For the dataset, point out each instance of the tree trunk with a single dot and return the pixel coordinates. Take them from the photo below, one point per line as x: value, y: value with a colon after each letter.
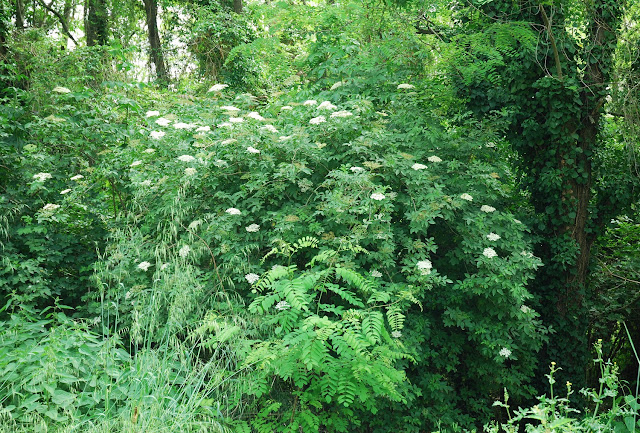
x: 97, y: 23
x: 19, y: 15
x: 237, y: 6
x: 151, y: 10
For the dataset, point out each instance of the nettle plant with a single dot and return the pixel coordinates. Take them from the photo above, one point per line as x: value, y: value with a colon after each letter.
x: 333, y: 251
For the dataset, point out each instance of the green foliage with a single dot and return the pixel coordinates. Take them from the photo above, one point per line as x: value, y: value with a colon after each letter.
x: 214, y: 34
x: 612, y: 409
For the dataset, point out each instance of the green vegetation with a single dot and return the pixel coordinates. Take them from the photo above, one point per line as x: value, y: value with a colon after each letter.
x: 335, y: 217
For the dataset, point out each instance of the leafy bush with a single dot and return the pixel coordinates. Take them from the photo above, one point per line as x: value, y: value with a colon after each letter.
x: 393, y: 198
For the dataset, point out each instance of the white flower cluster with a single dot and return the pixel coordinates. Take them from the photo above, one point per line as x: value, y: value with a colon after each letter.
x: 252, y: 228
x: 152, y: 113
x: 186, y: 158
x: 254, y: 115
x: 218, y: 87
x: 77, y: 177
x: 377, y: 196
x: 190, y: 171
x: 41, y: 177
x: 356, y: 169
x: 493, y: 237
x: 282, y: 305
x: 252, y: 278
x: 424, y: 266
x: 489, y: 253
x: 396, y: 334
x: 184, y: 251
x: 505, y: 353
x: 269, y: 128
x: 317, y: 120
x: 251, y: 149
x: 65, y: 191
x: 418, y: 166
x: 326, y: 105
x: 144, y: 266
x: 236, y: 119
x: 310, y: 102
x: 466, y: 197
x: 376, y: 274
x: 341, y: 113
x: 487, y: 209
x: 163, y: 122
x: 203, y: 129
x: 233, y: 211
x: 406, y: 86
x: 434, y: 158
x: 229, y: 108
x: 50, y: 207
x: 60, y: 89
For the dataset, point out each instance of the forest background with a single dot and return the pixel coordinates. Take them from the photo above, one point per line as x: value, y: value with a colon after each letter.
x: 319, y: 217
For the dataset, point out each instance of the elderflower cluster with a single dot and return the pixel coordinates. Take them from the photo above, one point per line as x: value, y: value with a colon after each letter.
x: 252, y: 278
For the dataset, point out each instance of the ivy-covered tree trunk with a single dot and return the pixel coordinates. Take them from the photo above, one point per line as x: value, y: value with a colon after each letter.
x: 157, y: 58
x: 97, y: 23
x: 19, y: 13
x: 554, y: 92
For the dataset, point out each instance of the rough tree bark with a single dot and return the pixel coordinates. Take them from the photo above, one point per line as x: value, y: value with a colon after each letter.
x: 96, y: 23
x: 157, y: 58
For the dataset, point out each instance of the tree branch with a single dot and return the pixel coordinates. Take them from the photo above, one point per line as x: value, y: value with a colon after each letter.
x: 556, y: 56
x: 60, y: 18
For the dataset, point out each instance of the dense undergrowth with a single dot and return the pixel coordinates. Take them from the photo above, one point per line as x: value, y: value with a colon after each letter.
x: 325, y: 242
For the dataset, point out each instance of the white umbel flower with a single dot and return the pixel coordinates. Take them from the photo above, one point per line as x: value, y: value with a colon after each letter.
x: 229, y: 108
x: 424, y: 266
x: 434, y: 158
x: 356, y: 169
x: 418, y: 166
x: 144, y: 266
x: 77, y: 177
x: 336, y: 85
x: 190, y: 171
x: 341, y: 113
x: 60, y: 89
x: 406, y: 86
x: 156, y: 135
x: 186, y: 158
x: 218, y: 87
x: 255, y: 115
x: 286, y: 107
x: 135, y: 163
x: 236, y: 119
x: 252, y: 278
x: 326, y: 105
x: 493, y: 237
x: 466, y: 197
x: 282, y: 305
x: 487, y: 208
x: 269, y: 128
x: 203, y: 129
x: 377, y: 196
x: 505, y: 353
x: 396, y: 334
x: 489, y: 253
x: 65, y: 191
x: 310, y: 102
x: 376, y: 274
x: 184, y: 251
x: 251, y: 149
x: 50, y: 207
x: 252, y: 228
x: 41, y: 177
x: 152, y: 113
x: 317, y: 120
x: 163, y: 122
x: 233, y: 211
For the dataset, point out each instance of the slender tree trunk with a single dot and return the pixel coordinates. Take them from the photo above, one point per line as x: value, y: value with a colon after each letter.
x: 151, y: 9
x: 96, y: 23
x: 237, y: 6
x: 19, y: 14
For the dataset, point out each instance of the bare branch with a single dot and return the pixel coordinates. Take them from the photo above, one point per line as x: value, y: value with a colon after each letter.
x: 65, y: 28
